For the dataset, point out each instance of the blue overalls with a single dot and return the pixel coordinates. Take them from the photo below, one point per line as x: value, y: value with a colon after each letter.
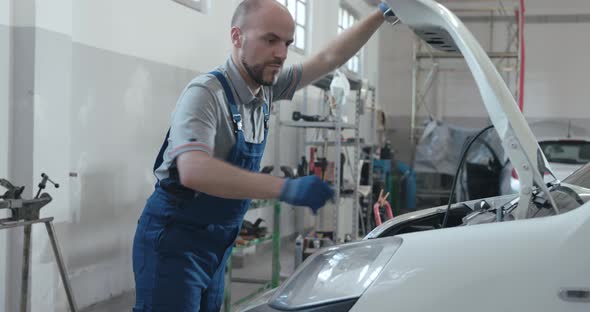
x: 183, y: 239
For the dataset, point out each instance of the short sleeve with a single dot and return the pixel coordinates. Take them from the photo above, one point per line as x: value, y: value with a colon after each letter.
x: 194, y: 122
x: 287, y: 82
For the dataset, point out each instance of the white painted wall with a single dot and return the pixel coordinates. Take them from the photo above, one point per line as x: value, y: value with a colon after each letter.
x: 187, y: 39
x: 556, y: 68
x: 164, y: 31
x: 23, y: 13
x: 4, y: 85
x: 4, y: 130
x: 557, y: 71
x: 55, y: 16
x: 5, y: 12
x: 557, y: 7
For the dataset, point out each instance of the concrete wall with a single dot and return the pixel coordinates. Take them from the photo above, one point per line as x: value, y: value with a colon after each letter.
x: 88, y: 102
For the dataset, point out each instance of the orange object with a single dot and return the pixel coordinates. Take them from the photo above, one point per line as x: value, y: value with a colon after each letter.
x: 382, y: 201
x: 520, y: 19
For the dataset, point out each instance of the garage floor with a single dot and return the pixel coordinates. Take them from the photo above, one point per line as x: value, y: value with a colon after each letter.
x: 256, y: 267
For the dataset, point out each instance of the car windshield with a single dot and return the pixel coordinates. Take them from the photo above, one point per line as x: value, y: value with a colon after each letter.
x: 566, y: 152
x: 570, y: 194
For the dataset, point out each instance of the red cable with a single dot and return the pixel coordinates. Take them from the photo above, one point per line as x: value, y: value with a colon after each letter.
x: 522, y: 56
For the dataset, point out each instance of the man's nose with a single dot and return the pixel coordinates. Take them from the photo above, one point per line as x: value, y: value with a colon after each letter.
x: 281, y: 52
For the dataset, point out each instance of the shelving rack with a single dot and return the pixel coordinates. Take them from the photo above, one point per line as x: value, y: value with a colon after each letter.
x: 274, y: 281
x: 336, y: 127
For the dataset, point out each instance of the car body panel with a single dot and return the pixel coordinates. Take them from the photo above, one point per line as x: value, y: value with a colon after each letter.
x: 488, y: 267
x: 414, y: 216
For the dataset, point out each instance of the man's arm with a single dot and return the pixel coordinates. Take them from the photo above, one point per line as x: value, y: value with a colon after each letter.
x: 337, y: 52
x: 203, y: 173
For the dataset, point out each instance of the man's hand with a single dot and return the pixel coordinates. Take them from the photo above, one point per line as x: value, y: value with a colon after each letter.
x: 388, y: 14
x: 307, y: 191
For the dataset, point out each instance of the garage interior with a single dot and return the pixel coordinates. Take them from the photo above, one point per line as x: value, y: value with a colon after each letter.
x: 88, y: 87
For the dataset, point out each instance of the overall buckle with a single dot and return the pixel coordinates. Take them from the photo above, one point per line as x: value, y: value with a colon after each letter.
x: 237, y: 121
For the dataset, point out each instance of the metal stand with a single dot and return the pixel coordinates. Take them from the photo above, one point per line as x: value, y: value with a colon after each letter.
x: 25, y: 289
x: 276, y: 251
x: 24, y: 297
x: 331, y: 137
x: 25, y: 213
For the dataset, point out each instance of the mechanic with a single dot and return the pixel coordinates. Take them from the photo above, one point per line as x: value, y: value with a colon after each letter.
x: 207, y: 168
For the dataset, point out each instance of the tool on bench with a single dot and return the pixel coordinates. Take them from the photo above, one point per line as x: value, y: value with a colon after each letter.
x: 287, y: 171
x: 311, y: 118
x: 25, y: 213
x: 251, y: 231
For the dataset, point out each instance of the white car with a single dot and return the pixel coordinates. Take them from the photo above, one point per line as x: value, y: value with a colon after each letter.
x: 536, y: 259
x: 565, y: 155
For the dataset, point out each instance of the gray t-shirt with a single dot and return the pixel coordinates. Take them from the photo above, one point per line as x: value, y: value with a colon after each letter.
x: 202, y: 121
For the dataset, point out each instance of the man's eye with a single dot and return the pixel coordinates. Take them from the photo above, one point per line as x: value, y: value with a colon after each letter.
x: 272, y: 41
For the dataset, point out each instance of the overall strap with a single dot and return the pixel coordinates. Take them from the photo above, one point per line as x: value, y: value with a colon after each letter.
x: 160, y: 158
x: 265, y: 109
x: 236, y: 117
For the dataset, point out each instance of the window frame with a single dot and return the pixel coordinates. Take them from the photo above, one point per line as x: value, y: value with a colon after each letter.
x: 197, y: 5
x: 305, y: 3
x: 349, y: 66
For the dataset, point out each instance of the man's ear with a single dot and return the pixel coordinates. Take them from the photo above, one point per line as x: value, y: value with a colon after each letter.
x: 236, y: 37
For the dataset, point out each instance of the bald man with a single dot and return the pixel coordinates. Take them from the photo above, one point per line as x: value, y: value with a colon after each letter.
x: 207, y: 168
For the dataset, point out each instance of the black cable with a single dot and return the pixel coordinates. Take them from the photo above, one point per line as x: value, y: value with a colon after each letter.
x: 463, y: 157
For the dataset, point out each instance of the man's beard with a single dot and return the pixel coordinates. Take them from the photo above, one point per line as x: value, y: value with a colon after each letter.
x: 256, y: 72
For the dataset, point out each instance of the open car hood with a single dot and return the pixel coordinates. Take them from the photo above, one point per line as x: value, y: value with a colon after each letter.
x: 444, y: 31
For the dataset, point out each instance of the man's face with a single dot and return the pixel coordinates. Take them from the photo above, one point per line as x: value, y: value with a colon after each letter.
x: 265, y: 41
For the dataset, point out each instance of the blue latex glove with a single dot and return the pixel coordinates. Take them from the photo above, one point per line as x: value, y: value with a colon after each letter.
x: 308, y: 191
x: 388, y: 13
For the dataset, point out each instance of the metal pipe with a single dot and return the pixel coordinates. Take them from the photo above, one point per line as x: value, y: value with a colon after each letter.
x: 414, y: 92
x: 24, y: 294
x: 445, y: 55
x: 337, y: 169
x: 20, y: 223
x: 371, y: 150
x: 357, y: 156
x: 531, y: 19
x: 60, y: 264
x: 421, y: 93
x: 276, y: 241
x: 521, y: 56
x: 491, y: 48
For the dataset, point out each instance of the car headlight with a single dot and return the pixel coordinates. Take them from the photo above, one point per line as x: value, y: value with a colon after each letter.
x: 333, y: 278
x: 260, y: 303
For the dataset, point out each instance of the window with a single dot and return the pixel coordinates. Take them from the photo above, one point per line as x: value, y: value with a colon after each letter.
x: 298, y: 9
x: 566, y: 151
x: 198, y: 5
x: 345, y: 20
